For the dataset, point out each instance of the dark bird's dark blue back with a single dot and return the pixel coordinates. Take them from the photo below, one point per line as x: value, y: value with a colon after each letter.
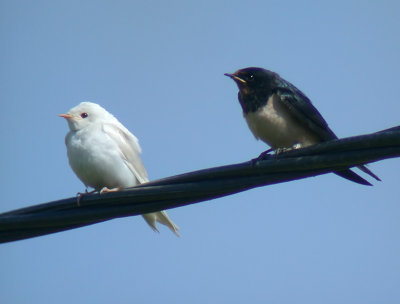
x: 302, y: 109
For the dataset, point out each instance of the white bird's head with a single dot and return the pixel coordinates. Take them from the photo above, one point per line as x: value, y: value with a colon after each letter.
x: 85, y: 114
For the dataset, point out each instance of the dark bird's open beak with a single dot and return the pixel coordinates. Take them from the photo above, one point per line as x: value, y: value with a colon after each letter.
x: 236, y: 78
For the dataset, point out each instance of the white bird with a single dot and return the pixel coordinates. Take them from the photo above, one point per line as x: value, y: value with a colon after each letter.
x: 105, y: 155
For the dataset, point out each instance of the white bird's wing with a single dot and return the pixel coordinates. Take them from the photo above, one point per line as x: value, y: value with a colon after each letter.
x: 129, y: 147
x: 130, y: 150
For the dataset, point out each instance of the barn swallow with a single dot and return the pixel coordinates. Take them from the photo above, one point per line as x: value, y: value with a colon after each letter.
x: 282, y: 116
x: 105, y: 155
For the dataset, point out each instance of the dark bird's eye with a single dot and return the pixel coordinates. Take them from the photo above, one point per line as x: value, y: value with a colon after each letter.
x: 84, y: 115
x: 251, y: 77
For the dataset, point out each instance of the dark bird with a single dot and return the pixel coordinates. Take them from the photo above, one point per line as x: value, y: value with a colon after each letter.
x: 282, y: 116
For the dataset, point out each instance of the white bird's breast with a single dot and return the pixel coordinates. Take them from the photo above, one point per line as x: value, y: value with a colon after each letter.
x: 275, y: 125
x: 97, y: 160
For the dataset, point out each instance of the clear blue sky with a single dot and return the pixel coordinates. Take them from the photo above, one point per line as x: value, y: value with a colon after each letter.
x: 158, y: 67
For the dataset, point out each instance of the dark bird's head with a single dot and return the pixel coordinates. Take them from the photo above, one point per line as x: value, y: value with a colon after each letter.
x: 255, y: 85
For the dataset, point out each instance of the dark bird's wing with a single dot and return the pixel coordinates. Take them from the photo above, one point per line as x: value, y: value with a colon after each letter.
x: 303, y: 110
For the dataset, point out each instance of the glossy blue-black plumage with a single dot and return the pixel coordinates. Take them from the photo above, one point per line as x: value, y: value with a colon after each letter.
x: 257, y: 86
x: 302, y: 109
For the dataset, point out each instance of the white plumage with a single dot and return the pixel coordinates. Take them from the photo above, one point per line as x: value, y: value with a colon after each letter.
x: 105, y: 155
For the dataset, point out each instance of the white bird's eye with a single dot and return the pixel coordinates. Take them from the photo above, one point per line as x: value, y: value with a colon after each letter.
x: 84, y: 115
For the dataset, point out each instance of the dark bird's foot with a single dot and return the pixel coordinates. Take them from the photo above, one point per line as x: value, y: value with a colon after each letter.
x: 265, y: 154
x: 283, y: 150
x: 262, y: 156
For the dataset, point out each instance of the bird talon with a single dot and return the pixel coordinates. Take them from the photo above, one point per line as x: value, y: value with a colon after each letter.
x: 79, y: 196
x: 264, y: 155
x: 106, y: 190
x: 283, y: 150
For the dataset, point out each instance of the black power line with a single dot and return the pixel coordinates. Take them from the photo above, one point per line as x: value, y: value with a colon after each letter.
x: 198, y: 186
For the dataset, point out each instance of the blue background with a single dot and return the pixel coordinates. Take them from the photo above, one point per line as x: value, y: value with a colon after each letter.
x: 158, y: 67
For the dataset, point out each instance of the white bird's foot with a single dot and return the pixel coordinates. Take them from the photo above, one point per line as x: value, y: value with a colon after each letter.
x: 106, y: 190
x: 79, y: 196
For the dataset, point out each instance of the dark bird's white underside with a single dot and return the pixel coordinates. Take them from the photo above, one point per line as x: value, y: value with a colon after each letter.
x: 277, y: 127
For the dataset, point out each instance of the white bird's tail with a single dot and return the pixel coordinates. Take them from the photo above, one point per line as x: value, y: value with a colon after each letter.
x: 163, y: 218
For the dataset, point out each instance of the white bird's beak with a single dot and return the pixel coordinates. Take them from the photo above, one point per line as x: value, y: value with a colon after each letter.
x: 66, y: 116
